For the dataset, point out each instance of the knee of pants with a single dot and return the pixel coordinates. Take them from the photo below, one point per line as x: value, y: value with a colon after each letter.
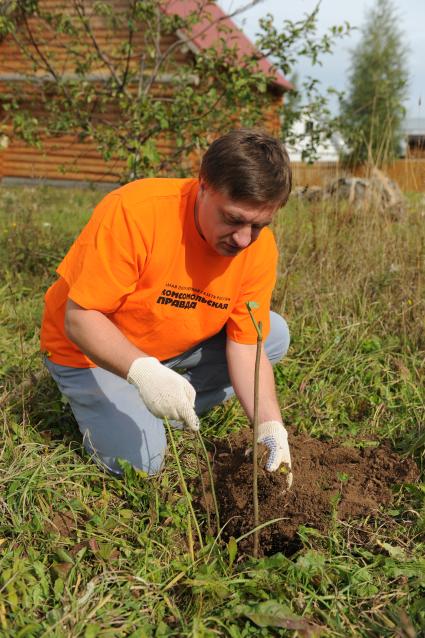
x: 140, y: 459
x: 277, y: 343
x: 111, y: 463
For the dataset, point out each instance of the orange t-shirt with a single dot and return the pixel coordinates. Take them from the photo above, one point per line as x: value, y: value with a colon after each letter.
x: 141, y: 261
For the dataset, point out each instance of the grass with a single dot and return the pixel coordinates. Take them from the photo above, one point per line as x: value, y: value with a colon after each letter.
x: 87, y: 555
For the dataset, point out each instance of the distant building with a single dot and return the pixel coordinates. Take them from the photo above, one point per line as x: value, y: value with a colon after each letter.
x: 414, y: 137
x: 327, y: 150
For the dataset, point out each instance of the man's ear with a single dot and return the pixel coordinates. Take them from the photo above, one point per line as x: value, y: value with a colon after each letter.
x: 204, y: 186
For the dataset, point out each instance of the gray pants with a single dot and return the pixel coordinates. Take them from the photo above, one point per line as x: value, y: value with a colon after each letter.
x: 114, y: 421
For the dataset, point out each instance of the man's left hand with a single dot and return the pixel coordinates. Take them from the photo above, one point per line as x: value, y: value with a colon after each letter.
x: 274, y: 436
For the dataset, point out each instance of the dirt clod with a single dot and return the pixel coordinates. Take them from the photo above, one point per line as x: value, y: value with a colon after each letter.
x: 329, y: 480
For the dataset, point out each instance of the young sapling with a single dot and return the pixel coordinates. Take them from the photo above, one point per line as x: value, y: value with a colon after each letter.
x: 252, y: 305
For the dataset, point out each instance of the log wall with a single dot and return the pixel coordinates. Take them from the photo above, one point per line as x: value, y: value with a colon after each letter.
x: 58, y: 50
x: 67, y: 157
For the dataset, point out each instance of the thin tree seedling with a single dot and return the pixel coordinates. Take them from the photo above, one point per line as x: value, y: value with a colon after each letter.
x: 251, y: 305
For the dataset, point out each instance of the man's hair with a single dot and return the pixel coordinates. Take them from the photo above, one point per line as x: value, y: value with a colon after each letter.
x: 249, y: 166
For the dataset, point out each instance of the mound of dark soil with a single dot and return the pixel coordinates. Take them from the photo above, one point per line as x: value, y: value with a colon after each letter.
x: 329, y: 479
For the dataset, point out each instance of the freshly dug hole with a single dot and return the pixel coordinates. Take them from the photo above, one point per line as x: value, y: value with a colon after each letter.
x: 328, y: 477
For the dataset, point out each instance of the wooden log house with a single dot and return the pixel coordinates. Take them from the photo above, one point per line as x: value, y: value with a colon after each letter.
x: 66, y: 159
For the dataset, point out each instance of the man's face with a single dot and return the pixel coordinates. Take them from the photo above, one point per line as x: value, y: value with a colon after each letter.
x: 227, y: 226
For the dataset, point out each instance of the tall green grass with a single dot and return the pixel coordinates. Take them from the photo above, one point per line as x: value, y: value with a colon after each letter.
x: 85, y: 554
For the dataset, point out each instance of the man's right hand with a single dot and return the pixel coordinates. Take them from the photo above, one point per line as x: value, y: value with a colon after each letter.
x: 275, y: 437
x: 164, y: 392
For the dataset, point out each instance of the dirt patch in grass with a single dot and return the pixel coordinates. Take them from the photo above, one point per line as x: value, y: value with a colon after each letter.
x: 330, y: 479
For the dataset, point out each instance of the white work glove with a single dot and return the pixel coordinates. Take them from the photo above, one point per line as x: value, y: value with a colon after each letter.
x: 273, y: 435
x: 164, y: 392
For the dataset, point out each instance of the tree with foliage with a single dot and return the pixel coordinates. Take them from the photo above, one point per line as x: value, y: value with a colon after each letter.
x: 373, y: 111
x: 138, y: 94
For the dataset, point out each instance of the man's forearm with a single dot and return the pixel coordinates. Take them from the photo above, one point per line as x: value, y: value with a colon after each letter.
x: 100, y: 339
x: 241, y: 364
x: 164, y: 392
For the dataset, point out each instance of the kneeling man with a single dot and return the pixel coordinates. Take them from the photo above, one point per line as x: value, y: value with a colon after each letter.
x: 157, y: 282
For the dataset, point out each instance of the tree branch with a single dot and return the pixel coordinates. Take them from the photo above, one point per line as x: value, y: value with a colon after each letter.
x: 79, y: 6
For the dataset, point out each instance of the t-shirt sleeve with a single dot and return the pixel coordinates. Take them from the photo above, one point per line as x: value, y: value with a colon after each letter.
x: 257, y: 285
x: 105, y: 263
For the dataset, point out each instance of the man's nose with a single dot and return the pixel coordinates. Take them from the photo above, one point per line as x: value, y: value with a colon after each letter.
x: 243, y: 236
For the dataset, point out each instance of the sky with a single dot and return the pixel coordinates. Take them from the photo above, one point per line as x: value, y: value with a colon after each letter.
x: 335, y: 67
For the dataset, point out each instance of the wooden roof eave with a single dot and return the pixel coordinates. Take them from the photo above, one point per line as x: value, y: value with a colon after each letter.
x: 161, y: 78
